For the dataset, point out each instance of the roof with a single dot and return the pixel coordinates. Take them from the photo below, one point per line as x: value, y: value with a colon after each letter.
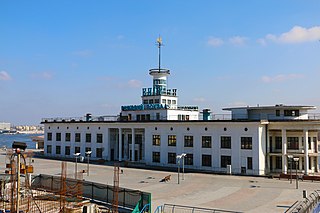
x: 278, y: 106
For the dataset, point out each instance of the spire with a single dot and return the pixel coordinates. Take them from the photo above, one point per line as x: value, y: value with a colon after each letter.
x: 159, y: 44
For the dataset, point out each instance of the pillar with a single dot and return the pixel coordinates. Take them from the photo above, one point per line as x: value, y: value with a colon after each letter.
x: 284, y: 151
x: 120, y: 144
x: 306, y: 158
x: 133, y: 145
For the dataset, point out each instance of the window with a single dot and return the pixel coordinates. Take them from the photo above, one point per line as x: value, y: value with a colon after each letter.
x: 99, y: 138
x: 49, y: 136
x: 77, y: 149
x: 206, y: 160
x: 88, y: 149
x: 164, y: 101
x: 88, y: 138
x: 206, y: 141
x: 278, y: 142
x: 68, y: 137
x: 246, y: 142
x: 58, y: 150
x: 225, y: 160
x: 225, y: 142
x: 156, y: 157
x: 99, y: 152
x: 277, y: 112
x: 169, y: 101
x: 58, y: 136
x: 145, y: 101
x: 291, y: 112
x: 156, y: 140
x: 249, y: 162
x: 172, y: 158
x: 49, y: 149
x: 174, y: 102
x: 278, y: 162
x: 188, y: 141
x: 156, y: 101
x: 151, y: 101
x: 67, y: 150
x: 188, y: 160
x: 172, y: 140
x: 293, y: 143
x: 77, y: 137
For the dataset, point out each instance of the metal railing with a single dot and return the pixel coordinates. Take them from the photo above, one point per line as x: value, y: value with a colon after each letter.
x: 171, y: 208
x: 308, y: 205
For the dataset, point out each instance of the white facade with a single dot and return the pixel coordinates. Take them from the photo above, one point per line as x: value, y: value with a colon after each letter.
x: 253, y: 140
x: 5, y: 126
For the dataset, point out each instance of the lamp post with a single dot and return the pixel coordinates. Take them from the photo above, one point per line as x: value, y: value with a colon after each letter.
x: 296, y: 160
x: 183, y: 155
x: 88, y: 153
x: 179, y: 158
x: 76, y: 155
x: 290, y: 160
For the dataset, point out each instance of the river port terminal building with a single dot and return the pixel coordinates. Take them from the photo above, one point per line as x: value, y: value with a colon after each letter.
x: 260, y: 140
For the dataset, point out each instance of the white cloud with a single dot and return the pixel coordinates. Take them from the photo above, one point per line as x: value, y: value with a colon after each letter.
x: 215, y: 42
x: 296, y: 35
x: 199, y: 100
x: 130, y: 84
x: 4, y: 76
x: 262, y: 41
x: 134, y: 83
x: 281, y: 78
x: 238, y: 40
x: 83, y: 53
x: 46, y: 75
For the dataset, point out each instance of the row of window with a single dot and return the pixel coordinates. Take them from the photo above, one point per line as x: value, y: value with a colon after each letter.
x: 77, y: 149
x: 293, y: 142
x: 77, y: 137
x: 157, y: 101
x: 246, y: 142
x: 205, y: 161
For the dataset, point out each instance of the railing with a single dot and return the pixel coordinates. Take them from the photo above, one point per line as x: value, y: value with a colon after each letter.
x: 171, y: 208
x: 308, y: 205
x: 80, y: 119
x: 225, y: 117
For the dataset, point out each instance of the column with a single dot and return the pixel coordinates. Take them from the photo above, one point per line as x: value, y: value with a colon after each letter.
x: 306, y: 158
x: 120, y: 144
x: 284, y: 150
x: 133, y: 145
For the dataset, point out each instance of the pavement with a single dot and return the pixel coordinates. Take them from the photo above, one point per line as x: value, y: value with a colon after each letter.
x: 227, y: 192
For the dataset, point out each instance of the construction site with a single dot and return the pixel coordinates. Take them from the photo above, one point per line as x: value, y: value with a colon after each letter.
x: 21, y: 191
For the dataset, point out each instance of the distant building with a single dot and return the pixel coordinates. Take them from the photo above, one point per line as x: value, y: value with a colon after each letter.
x: 5, y: 126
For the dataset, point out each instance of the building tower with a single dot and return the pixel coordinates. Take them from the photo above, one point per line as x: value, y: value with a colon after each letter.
x: 159, y: 93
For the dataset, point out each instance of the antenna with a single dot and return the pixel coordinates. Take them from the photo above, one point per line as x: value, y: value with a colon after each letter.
x: 159, y: 43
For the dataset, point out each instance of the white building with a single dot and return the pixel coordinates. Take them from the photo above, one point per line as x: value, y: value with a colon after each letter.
x: 5, y: 126
x: 253, y: 140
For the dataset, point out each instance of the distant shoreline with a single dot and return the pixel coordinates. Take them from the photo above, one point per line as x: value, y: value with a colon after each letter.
x: 30, y: 132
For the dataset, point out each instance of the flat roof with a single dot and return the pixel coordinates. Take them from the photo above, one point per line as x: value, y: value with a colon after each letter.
x: 278, y: 106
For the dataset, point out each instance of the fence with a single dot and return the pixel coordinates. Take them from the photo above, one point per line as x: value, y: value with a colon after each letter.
x: 309, y: 205
x: 170, y: 208
x: 101, y: 193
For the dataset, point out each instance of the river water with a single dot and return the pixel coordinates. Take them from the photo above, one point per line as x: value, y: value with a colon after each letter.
x: 7, y: 140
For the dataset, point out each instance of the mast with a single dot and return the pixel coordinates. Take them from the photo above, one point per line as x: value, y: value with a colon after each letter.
x: 159, y: 43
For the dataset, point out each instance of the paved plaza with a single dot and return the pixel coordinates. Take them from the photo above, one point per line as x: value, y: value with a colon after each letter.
x: 238, y: 193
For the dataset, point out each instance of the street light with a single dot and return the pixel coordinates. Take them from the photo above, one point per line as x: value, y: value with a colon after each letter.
x: 76, y: 155
x: 179, y: 157
x: 183, y: 155
x: 88, y: 153
x: 296, y: 160
x: 290, y: 160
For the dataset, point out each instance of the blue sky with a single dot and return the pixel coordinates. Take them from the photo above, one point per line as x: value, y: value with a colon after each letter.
x: 67, y: 58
